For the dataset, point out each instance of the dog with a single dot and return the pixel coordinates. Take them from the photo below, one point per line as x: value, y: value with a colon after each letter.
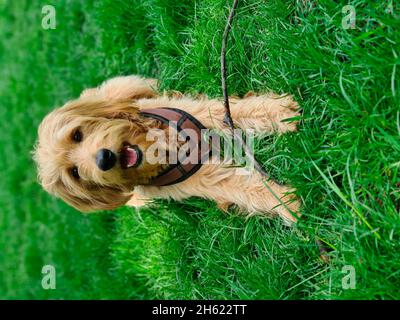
x: 92, y: 151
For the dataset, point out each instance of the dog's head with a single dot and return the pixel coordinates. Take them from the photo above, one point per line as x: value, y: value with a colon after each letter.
x: 90, y: 153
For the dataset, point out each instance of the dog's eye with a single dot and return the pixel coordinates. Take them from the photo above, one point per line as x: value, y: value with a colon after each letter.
x: 77, y: 136
x: 75, y: 172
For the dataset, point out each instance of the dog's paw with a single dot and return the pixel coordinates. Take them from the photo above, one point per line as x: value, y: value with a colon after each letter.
x: 290, y: 211
x: 225, y: 206
x: 288, y: 108
x: 270, y: 113
x: 137, y: 201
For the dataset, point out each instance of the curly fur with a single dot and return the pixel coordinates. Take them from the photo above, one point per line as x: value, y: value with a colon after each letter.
x: 109, y: 115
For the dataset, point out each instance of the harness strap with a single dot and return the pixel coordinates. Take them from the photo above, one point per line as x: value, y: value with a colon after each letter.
x: 180, y: 121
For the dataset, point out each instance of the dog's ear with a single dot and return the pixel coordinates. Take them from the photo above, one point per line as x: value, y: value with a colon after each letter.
x: 126, y: 110
x: 94, y: 108
x: 94, y: 198
x: 124, y: 88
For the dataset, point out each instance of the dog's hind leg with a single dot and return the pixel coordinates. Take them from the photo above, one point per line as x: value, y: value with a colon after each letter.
x: 251, y: 193
x: 123, y: 88
x: 256, y: 195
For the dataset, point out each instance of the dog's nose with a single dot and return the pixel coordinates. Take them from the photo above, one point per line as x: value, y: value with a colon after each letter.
x: 105, y: 159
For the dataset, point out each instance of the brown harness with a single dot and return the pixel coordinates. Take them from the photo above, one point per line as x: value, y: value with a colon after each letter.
x: 180, y: 121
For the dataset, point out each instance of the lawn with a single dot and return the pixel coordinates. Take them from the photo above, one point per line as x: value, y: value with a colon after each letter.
x: 344, y: 160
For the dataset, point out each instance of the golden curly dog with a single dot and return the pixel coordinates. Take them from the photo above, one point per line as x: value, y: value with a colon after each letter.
x: 107, y: 120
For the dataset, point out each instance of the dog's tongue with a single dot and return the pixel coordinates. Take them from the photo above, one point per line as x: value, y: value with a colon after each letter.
x: 131, y: 157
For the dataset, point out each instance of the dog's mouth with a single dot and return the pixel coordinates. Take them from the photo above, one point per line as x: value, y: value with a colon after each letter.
x: 130, y: 156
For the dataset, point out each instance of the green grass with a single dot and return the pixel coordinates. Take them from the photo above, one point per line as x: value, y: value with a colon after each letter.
x: 344, y: 161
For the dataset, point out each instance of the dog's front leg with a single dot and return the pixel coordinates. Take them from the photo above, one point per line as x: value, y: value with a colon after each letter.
x: 263, y: 113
